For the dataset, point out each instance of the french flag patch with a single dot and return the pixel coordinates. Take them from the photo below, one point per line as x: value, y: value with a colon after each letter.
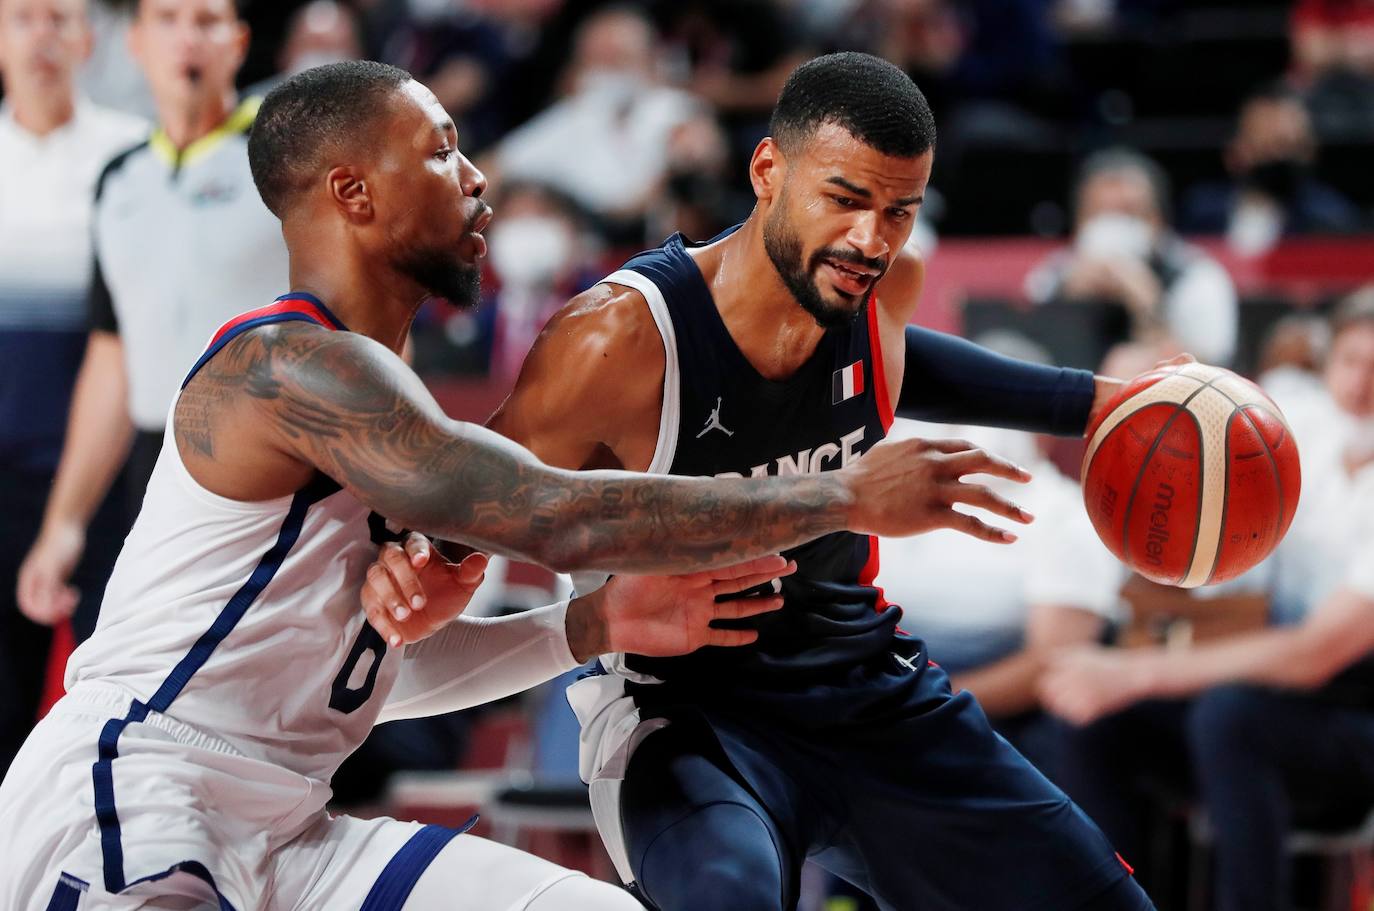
x: 848, y: 382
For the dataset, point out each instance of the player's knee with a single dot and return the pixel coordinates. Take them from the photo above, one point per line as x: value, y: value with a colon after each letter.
x: 721, y: 857
x: 578, y: 893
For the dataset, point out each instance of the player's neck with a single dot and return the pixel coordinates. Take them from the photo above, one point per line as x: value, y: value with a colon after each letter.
x: 369, y: 301
x: 772, y: 331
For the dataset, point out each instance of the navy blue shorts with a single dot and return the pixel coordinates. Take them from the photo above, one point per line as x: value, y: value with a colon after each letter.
x: 894, y: 784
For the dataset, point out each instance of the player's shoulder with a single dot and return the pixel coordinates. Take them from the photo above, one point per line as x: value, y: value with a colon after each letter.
x: 901, y: 285
x: 606, y: 323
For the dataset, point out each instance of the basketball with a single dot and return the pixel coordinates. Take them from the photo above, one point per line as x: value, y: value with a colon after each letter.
x: 1191, y: 475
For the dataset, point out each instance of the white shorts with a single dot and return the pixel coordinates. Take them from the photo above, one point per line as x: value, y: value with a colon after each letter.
x: 198, y: 825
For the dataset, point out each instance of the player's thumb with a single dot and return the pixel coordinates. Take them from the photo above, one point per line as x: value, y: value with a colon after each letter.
x: 472, y: 569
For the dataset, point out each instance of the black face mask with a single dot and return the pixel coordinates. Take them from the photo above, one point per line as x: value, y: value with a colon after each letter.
x: 1278, y: 179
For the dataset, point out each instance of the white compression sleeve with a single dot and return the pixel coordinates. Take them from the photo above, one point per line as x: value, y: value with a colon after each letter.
x: 478, y: 659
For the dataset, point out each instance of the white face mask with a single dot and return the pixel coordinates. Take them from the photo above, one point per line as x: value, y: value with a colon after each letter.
x: 615, y: 86
x: 1115, y: 234
x: 529, y: 251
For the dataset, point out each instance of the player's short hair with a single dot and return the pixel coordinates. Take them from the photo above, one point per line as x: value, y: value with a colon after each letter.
x: 303, y: 122
x: 870, y: 98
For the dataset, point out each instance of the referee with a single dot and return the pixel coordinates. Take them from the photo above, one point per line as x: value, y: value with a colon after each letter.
x: 182, y: 243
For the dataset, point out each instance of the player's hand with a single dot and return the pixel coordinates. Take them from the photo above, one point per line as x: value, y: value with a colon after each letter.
x: 1106, y: 388
x: 44, y: 594
x: 911, y: 486
x: 661, y: 616
x: 1086, y: 683
x: 412, y: 592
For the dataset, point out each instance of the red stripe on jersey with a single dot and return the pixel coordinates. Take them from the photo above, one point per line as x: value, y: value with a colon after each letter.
x: 875, y: 345
x: 869, y: 575
x: 289, y: 305
x: 1129, y: 868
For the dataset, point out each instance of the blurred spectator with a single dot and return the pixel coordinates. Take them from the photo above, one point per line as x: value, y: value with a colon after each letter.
x: 111, y: 77
x: 1056, y: 586
x: 605, y: 144
x: 320, y: 32
x: 1293, y: 744
x: 1333, y: 61
x: 988, y: 50
x: 1272, y: 192
x: 541, y: 255
x: 698, y: 197
x: 468, y: 54
x: 1333, y: 35
x: 738, y: 53
x: 182, y: 243
x: 1124, y: 253
x: 53, y: 144
x: 1291, y: 359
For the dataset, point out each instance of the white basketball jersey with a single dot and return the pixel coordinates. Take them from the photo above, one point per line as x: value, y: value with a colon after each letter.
x: 243, y: 619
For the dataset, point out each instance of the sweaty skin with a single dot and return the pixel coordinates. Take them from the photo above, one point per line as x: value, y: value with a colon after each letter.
x: 280, y: 403
x: 605, y: 339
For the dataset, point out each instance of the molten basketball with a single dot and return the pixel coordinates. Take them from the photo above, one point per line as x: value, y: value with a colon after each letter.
x: 1191, y: 475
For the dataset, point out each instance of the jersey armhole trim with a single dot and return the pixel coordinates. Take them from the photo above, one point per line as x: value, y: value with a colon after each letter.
x: 875, y: 347
x: 670, y: 416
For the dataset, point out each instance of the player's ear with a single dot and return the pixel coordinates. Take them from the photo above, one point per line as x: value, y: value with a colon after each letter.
x: 767, y: 169
x: 350, y: 193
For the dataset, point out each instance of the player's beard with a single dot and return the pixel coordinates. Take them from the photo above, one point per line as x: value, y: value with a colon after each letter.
x: 444, y: 274
x: 784, y: 248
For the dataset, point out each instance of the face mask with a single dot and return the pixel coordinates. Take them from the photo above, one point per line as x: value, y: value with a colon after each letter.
x: 1277, y: 179
x: 615, y: 86
x: 528, y: 251
x: 1114, y: 234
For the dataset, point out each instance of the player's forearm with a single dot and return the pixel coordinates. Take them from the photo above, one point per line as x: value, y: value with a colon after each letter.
x: 99, y: 432
x: 631, y: 523
x: 348, y: 406
x: 950, y: 380
x: 476, y: 660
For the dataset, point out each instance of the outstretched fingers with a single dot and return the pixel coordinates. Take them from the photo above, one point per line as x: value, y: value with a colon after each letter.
x: 980, y: 461
x: 985, y: 498
x: 972, y: 525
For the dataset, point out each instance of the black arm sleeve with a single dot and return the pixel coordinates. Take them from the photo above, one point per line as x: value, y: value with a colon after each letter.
x: 949, y: 380
x: 100, y: 308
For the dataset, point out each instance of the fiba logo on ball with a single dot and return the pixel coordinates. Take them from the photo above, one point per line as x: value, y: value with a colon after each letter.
x: 1191, y: 475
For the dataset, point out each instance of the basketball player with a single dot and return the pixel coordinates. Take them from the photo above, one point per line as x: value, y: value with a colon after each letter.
x: 778, y: 349
x: 231, y: 671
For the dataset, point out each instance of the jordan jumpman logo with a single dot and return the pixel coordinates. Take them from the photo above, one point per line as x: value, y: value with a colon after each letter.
x: 713, y: 422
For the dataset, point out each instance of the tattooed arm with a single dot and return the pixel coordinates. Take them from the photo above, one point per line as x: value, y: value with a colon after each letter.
x: 308, y: 399
x: 349, y: 407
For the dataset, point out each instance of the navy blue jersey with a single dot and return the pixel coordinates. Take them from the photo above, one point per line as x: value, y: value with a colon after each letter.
x: 723, y: 419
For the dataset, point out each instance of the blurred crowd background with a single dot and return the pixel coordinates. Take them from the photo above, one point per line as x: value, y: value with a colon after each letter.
x: 1115, y: 181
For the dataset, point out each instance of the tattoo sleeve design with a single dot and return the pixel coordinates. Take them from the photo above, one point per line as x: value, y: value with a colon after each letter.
x: 351, y: 408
